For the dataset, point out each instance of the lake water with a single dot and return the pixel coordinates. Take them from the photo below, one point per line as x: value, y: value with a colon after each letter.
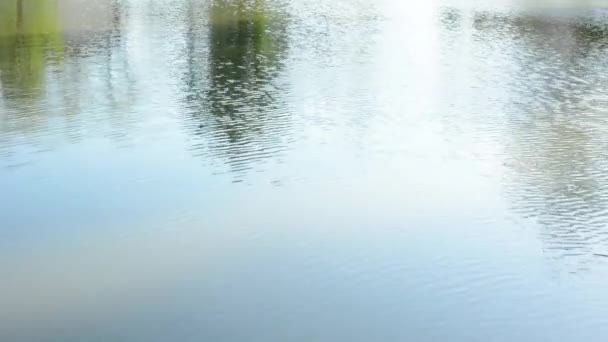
x: 303, y: 170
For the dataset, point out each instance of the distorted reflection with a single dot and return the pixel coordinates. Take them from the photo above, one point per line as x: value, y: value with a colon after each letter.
x: 29, y: 37
x: 58, y: 76
x: 560, y: 150
x: 29, y: 34
x: 556, y: 149
x: 236, y: 109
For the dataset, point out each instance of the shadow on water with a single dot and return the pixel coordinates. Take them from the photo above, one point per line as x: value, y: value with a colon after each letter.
x: 548, y: 114
x: 235, y: 110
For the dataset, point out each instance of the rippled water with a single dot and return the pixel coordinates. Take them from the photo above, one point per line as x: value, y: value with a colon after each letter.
x: 298, y: 170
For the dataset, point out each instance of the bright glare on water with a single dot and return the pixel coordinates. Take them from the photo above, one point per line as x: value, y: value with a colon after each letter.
x: 303, y: 170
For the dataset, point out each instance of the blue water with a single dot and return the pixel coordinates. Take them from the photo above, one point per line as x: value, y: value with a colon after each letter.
x: 299, y: 170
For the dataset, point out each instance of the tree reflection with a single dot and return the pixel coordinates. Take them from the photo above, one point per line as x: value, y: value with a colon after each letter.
x: 29, y: 32
x: 49, y: 75
x: 235, y: 107
x: 557, y: 147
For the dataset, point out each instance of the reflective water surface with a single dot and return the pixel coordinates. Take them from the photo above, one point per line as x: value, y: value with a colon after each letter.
x: 298, y: 170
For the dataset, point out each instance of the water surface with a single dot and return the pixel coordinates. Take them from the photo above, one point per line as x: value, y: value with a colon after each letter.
x: 295, y: 170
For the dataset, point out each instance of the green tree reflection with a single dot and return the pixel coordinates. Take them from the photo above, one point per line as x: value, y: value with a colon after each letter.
x: 64, y: 71
x: 236, y: 106
x: 29, y: 31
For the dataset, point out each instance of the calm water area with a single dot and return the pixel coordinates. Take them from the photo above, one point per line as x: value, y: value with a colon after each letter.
x: 303, y: 170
